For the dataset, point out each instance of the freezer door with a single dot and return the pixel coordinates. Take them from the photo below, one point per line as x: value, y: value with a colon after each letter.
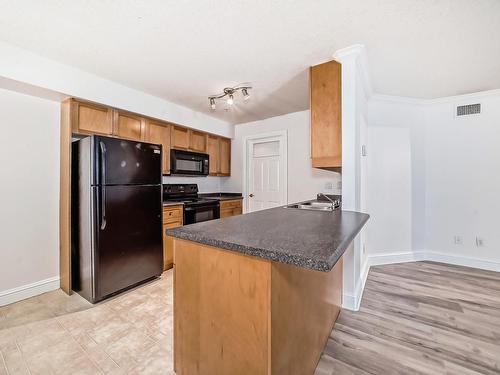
x: 122, y: 162
x: 128, y: 237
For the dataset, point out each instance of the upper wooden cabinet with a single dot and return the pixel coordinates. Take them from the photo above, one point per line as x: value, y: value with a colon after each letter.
x: 129, y: 126
x: 197, y: 141
x: 180, y: 138
x: 213, y: 153
x: 219, y: 151
x: 224, y: 157
x: 326, y: 115
x: 188, y: 139
x: 89, y: 118
x: 159, y: 132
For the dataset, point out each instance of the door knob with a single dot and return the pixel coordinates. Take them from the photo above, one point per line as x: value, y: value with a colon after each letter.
x: 251, y: 195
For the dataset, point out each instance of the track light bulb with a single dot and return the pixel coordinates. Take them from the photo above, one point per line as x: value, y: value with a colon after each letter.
x: 246, y: 95
x: 230, y: 100
x: 212, y: 103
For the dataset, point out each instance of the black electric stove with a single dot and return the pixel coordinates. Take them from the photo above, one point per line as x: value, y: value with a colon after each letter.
x: 196, y: 209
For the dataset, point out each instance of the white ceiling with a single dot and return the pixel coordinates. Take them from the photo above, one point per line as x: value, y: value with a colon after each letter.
x: 184, y: 51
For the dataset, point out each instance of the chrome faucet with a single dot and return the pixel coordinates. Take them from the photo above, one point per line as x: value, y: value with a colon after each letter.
x: 328, y: 198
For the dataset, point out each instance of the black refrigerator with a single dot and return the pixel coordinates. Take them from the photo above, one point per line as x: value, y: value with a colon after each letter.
x: 117, y: 215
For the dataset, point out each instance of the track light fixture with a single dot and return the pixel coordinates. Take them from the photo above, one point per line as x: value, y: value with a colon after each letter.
x: 228, y: 93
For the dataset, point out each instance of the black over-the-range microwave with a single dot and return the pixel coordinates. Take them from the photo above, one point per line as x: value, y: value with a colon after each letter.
x: 187, y: 163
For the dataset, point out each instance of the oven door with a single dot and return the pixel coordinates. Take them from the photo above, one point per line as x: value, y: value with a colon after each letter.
x: 188, y: 163
x: 199, y: 213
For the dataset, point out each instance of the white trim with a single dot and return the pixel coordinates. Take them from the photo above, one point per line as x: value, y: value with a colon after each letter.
x: 463, y: 261
x: 350, y: 302
x: 29, y: 290
x: 465, y: 98
x: 434, y: 256
x: 357, y: 51
x: 399, y: 257
x: 282, y: 136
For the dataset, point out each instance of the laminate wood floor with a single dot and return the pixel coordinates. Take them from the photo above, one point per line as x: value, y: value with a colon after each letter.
x: 419, y: 318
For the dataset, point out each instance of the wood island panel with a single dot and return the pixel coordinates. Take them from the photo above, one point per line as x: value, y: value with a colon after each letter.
x: 238, y: 314
x: 305, y: 305
x: 221, y: 311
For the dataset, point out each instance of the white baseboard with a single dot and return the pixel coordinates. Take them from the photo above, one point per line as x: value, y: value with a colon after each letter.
x: 398, y: 257
x: 352, y: 302
x: 29, y: 290
x: 463, y: 261
x: 421, y: 255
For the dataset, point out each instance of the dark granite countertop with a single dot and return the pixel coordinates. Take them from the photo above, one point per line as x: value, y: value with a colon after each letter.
x: 172, y: 203
x: 304, y: 238
x: 221, y: 196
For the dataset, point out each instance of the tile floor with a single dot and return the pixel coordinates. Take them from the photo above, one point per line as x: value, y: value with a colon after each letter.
x: 415, y: 318
x: 57, y: 334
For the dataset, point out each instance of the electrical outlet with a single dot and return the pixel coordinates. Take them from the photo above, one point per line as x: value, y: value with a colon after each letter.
x: 458, y: 240
x: 328, y: 186
x: 363, y: 150
x: 479, y: 242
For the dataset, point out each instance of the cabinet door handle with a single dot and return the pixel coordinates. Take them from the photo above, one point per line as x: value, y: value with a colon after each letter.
x: 251, y: 195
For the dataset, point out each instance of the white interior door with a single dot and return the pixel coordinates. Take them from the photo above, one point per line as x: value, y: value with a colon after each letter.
x: 266, y: 173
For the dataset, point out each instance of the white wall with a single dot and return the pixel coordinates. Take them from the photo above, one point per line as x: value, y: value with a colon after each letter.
x: 463, y: 179
x: 30, y: 204
x: 304, y: 182
x: 44, y: 76
x: 452, y: 178
x: 29, y: 192
x: 396, y: 179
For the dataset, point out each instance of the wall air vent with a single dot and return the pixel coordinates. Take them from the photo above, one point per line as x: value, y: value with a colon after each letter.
x: 469, y: 109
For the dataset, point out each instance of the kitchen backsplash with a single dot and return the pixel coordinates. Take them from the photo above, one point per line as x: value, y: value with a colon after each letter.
x: 209, y: 184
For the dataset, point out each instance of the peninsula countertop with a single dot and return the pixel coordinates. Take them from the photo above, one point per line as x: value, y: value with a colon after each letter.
x: 304, y: 238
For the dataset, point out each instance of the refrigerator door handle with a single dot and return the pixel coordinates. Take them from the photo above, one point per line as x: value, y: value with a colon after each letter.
x: 103, y: 187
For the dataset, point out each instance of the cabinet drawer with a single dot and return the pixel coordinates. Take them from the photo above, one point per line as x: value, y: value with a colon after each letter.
x: 226, y: 212
x: 230, y: 204
x: 172, y: 215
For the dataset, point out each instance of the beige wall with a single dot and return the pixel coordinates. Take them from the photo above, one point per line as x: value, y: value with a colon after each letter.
x: 29, y: 191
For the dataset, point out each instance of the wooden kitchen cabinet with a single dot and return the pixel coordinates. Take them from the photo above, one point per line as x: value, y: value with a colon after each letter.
x: 89, y: 118
x: 213, y: 153
x: 159, y: 132
x: 230, y: 208
x: 197, y: 141
x: 326, y: 115
x: 224, y: 157
x: 172, y: 218
x: 180, y: 138
x: 129, y: 126
x: 219, y: 150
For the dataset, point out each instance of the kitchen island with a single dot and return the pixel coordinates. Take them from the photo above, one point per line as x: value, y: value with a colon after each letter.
x: 258, y: 293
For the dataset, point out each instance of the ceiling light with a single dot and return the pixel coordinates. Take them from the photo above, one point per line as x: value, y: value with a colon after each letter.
x: 245, y: 93
x: 228, y: 94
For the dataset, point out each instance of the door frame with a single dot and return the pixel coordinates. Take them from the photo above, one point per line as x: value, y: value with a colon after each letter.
x: 279, y: 135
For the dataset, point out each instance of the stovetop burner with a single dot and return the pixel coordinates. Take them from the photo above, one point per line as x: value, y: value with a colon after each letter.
x: 184, y: 193
x: 196, y: 209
